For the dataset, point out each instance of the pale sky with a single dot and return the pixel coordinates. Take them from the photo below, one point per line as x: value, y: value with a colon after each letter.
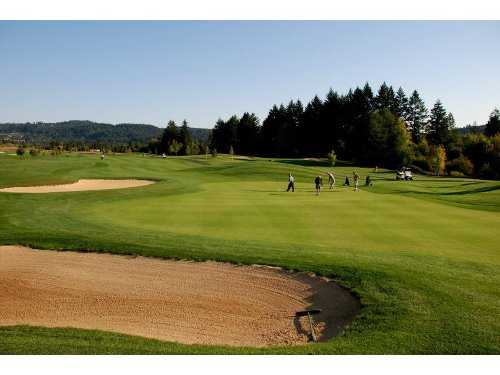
x: 150, y: 72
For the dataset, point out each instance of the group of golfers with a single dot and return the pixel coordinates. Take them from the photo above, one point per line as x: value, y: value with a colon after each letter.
x: 318, y: 181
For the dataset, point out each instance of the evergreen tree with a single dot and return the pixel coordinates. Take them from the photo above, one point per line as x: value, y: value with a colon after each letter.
x: 333, y: 111
x: 451, y: 121
x: 224, y: 134
x: 440, y: 125
x: 248, y: 134
x: 170, y: 134
x: 385, y: 98
x: 269, y: 131
x: 401, y: 101
x: 493, y: 124
x: 368, y: 94
x: 357, y: 117
x: 416, y: 116
x: 311, y: 128
x: 272, y: 131
x: 185, y: 139
x: 292, y: 118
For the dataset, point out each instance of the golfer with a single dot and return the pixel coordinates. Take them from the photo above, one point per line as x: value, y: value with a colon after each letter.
x: 368, y: 181
x: 355, y: 176
x: 318, y: 182
x: 331, y: 180
x: 291, y: 183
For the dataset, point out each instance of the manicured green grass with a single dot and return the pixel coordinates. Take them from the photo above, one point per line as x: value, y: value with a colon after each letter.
x: 423, y: 256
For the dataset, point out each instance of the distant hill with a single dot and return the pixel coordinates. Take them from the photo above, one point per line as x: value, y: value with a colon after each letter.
x: 86, y: 132
x: 200, y: 134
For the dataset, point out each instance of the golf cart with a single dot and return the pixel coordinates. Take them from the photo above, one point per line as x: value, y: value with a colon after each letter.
x: 404, y: 174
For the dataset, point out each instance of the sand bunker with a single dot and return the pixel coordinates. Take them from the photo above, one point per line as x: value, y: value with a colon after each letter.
x: 188, y: 302
x: 80, y: 185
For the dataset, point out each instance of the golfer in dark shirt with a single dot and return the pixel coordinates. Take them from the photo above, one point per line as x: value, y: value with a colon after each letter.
x: 318, y: 182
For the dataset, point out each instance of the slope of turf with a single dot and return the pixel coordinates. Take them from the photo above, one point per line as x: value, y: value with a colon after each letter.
x: 422, y: 255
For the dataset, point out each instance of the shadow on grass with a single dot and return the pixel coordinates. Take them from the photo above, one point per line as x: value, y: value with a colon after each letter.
x: 465, y: 192
x: 314, y: 162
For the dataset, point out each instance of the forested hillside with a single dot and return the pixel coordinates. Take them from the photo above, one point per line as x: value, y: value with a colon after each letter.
x: 85, y: 132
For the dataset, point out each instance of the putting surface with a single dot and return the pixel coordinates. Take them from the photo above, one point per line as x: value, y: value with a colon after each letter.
x: 80, y: 185
x: 423, y: 256
x: 187, y: 302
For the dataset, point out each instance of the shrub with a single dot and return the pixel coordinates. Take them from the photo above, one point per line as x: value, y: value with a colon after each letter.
x: 486, y: 171
x: 34, y: 152
x: 332, y: 158
x: 422, y: 163
x: 422, y: 148
x: 20, y: 151
x: 174, y: 147
x: 461, y: 164
x: 204, y: 149
x: 456, y: 174
x: 57, y: 150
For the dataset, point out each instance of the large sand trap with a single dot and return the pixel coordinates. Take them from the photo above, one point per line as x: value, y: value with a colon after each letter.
x: 80, y: 185
x: 188, y: 302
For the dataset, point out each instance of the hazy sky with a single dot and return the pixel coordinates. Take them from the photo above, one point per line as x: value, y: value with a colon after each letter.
x: 150, y: 72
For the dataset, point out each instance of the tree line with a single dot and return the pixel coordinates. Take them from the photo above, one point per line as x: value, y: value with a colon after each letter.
x: 84, y: 134
x: 389, y: 128
x: 178, y: 140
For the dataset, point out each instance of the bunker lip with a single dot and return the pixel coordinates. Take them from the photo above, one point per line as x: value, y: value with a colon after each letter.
x: 80, y: 185
x: 207, y: 303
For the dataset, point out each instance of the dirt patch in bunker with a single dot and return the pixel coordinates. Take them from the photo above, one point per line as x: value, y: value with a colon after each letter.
x: 188, y: 302
x: 80, y: 185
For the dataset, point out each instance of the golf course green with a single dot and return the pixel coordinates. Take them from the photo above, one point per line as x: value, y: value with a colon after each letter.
x: 423, y: 256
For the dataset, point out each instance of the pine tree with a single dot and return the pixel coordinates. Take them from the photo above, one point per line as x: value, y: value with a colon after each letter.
x: 385, y: 98
x: 247, y: 134
x: 358, y: 118
x: 416, y: 116
x: 288, y: 137
x: 170, y: 134
x: 312, y: 130
x: 224, y: 134
x: 451, y: 121
x: 401, y: 101
x: 439, y: 127
x: 493, y: 125
x: 185, y: 139
x: 332, y: 113
x: 269, y: 132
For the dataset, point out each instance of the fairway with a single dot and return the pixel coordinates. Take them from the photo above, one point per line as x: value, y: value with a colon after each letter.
x: 422, y: 256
